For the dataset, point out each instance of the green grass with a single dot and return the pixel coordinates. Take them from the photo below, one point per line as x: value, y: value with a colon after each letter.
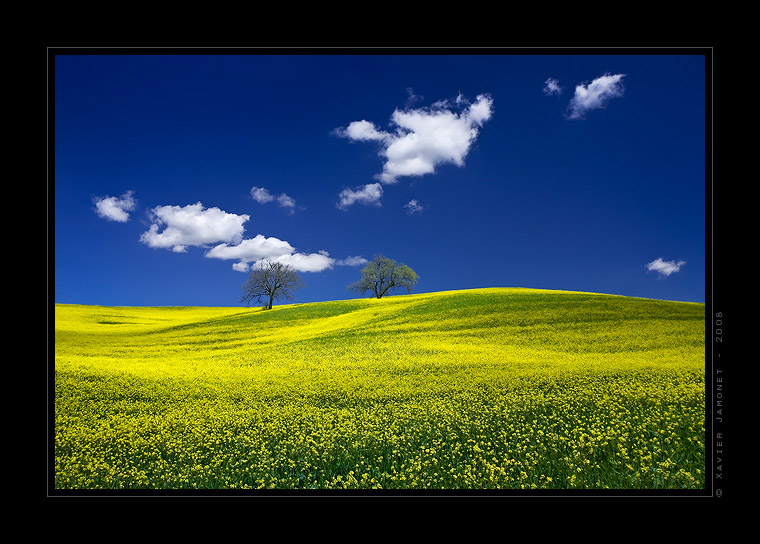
x: 476, y: 389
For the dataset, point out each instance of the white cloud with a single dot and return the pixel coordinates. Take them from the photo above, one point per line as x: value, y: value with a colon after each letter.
x: 480, y: 111
x: 369, y: 195
x: 260, y: 248
x: 313, y: 262
x: 285, y: 201
x: 362, y: 131
x: 412, y: 98
x: 192, y: 225
x: 261, y: 195
x: 424, y: 138
x: 252, y: 249
x: 195, y: 225
x: 665, y: 268
x: 595, y: 95
x: 551, y: 86
x: 352, y: 261
x: 413, y: 207
x: 301, y: 262
x: 113, y: 208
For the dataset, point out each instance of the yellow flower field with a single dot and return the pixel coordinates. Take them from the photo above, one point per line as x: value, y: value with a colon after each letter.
x: 477, y: 389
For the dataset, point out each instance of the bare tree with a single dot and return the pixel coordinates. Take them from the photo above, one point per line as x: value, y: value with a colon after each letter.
x: 383, y: 274
x: 271, y: 280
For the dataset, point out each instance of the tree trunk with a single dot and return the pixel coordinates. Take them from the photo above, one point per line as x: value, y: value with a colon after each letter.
x: 270, y: 303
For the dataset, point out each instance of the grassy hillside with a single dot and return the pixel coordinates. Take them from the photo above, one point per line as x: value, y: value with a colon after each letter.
x: 486, y: 388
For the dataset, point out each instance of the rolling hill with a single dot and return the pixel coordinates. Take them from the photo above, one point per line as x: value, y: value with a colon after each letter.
x: 501, y: 388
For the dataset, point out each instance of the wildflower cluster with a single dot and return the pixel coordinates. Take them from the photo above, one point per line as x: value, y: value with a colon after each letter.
x: 481, y: 389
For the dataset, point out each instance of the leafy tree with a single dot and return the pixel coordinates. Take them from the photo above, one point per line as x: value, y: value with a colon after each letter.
x: 383, y: 274
x: 271, y: 280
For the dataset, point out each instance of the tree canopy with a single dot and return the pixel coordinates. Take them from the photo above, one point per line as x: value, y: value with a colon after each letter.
x: 271, y: 280
x: 382, y: 275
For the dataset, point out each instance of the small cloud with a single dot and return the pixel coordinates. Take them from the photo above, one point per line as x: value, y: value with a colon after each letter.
x: 195, y: 225
x: 370, y: 194
x: 413, y: 207
x: 665, y: 268
x: 260, y: 248
x: 284, y: 201
x: 192, y: 225
x: 252, y: 249
x: 551, y: 87
x: 113, y: 208
x: 595, y: 95
x: 362, y: 131
x: 301, y: 262
x: 262, y: 196
x: 352, y: 261
x: 413, y: 98
x: 424, y: 138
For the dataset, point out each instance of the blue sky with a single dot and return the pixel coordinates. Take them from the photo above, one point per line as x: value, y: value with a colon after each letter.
x: 173, y: 174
